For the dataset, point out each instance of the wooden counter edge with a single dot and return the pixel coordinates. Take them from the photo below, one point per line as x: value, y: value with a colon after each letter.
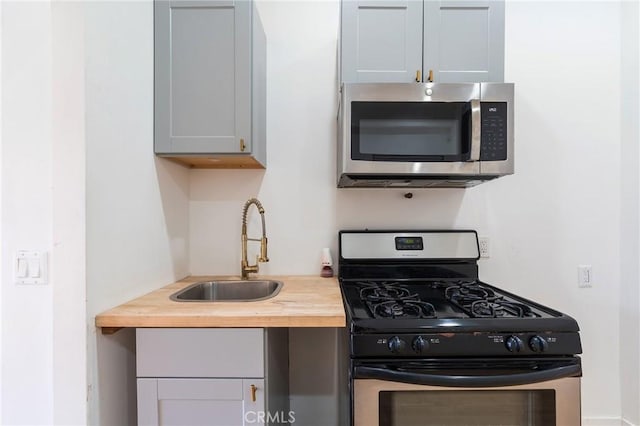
x: 111, y: 325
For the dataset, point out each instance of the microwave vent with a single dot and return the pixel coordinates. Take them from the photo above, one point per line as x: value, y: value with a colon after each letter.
x: 385, y: 181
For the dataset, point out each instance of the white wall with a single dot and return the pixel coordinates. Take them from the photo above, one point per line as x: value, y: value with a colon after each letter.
x: 630, y: 215
x: 68, y: 259
x: 44, y: 348
x: 556, y: 212
x: 27, y: 338
x: 137, y: 220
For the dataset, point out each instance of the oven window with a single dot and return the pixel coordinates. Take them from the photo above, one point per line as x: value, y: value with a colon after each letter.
x: 410, y: 131
x: 458, y: 408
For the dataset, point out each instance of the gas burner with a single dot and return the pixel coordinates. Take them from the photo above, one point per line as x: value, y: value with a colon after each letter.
x: 500, y: 308
x: 403, y: 308
x: 392, y: 300
x: 384, y: 291
x: 482, y: 302
x: 467, y: 292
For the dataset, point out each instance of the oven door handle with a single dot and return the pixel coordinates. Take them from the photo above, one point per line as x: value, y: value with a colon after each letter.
x: 364, y: 372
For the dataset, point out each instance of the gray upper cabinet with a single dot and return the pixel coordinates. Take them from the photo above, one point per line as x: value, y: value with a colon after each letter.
x: 381, y: 41
x: 210, y: 78
x: 400, y: 41
x: 464, y: 40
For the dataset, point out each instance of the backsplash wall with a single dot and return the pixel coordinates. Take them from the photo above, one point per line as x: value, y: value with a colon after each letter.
x: 552, y: 215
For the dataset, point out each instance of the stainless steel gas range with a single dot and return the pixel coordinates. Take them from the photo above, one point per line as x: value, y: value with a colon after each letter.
x: 430, y: 344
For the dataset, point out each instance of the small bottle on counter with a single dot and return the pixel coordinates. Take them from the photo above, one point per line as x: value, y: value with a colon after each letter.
x: 326, y: 271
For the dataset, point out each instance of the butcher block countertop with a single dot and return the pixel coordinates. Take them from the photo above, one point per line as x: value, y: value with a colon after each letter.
x: 303, y: 301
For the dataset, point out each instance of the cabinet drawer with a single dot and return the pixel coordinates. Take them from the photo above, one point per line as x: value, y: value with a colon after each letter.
x: 200, y: 352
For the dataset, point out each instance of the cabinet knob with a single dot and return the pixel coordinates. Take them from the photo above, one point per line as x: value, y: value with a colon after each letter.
x: 242, y: 145
x: 430, y: 79
x: 254, y: 388
x: 418, y: 76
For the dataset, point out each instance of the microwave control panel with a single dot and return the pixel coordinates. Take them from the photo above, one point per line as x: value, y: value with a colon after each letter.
x: 493, y: 136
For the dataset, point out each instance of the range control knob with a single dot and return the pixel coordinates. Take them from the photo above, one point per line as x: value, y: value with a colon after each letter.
x: 513, y: 344
x: 538, y: 344
x: 396, y: 344
x: 419, y: 344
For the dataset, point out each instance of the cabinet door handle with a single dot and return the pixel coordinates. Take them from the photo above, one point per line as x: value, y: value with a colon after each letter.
x: 254, y: 388
x: 242, y: 145
x: 430, y: 79
x: 418, y: 76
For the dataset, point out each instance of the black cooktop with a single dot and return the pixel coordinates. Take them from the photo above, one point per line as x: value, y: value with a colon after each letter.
x: 454, y: 305
x: 437, y: 299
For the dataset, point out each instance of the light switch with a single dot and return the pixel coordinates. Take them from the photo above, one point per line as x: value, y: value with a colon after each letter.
x: 34, y: 267
x: 21, y: 271
x: 30, y: 267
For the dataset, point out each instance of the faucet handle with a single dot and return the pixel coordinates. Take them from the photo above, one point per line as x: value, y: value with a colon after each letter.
x: 263, y: 250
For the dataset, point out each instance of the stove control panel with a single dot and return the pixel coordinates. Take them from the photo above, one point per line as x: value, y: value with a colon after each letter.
x: 465, y: 344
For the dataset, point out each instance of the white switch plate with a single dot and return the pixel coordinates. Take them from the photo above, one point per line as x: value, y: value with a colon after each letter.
x: 30, y: 267
x: 585, y: 276
x: 483, y: 243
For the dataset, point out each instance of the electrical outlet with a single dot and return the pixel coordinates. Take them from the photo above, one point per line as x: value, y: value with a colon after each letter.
x: 483, y: 242
x: 585, y: 276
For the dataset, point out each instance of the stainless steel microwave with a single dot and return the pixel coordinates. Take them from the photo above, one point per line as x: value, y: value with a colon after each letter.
x: 424, y: 134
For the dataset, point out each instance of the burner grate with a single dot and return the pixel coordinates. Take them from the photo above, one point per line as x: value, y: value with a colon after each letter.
x: 403, y: 309
x: 482, y: 302
x: 379, y: 292
x: 392, y: 300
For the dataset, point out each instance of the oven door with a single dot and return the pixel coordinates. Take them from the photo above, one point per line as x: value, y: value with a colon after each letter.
x: 479, y: 392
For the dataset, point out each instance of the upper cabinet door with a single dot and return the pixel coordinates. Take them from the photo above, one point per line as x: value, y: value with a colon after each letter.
x: 202, y: 76
x: 381, y: 40
x: 464, y: 40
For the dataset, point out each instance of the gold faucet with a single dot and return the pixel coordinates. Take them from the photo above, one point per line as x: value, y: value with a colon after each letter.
x: 246, y: 268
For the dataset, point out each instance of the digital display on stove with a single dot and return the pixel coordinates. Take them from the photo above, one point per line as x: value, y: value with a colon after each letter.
x: 409, y: 243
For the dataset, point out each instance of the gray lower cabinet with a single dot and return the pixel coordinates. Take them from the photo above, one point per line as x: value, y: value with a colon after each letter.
x: 210, y: 83
x: 401, y: 41
x: 205, y: 376
x: 195, y: 402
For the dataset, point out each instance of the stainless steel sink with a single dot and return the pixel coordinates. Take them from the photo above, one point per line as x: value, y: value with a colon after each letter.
x: 228, y: 291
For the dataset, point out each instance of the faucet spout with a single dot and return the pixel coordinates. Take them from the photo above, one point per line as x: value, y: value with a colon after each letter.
x: 263, y: 257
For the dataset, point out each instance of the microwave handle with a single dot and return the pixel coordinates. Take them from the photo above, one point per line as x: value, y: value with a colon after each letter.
x: 476, y: 125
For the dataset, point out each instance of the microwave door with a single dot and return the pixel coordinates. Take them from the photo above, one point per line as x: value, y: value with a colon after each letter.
x: 413, y: 138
